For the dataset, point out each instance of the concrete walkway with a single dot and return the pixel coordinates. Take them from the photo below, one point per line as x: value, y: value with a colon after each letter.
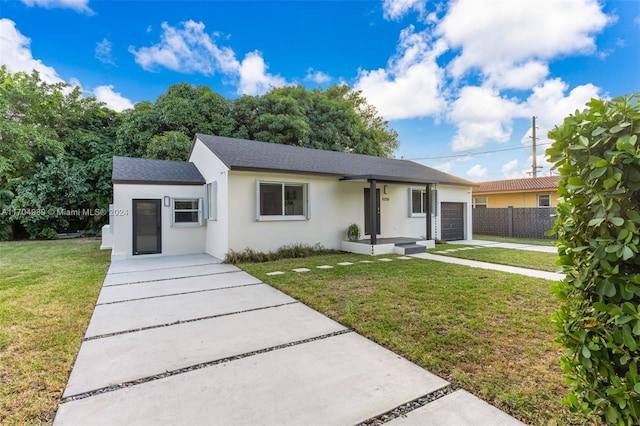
x: 515, y: 246
x: 188, y: 340
x: 553, y: 276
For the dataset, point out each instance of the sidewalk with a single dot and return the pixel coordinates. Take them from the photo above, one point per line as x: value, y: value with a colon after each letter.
x: 188, y: 340
x: 515, y: 246
x: 552, y: 276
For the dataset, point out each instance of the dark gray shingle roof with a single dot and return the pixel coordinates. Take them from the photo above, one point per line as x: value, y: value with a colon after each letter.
x: 155, y: 172
x: 242, y: 154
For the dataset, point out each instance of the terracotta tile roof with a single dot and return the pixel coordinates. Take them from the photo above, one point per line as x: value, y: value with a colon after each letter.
x: 546, y: 183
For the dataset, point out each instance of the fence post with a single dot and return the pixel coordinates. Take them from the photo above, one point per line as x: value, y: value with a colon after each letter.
x: 510, y: 220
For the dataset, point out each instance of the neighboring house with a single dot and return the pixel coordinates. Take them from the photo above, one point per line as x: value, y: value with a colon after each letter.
x: 235, y: 193
x: 526, y: 192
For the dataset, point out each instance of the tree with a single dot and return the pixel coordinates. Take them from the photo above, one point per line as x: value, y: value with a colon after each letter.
x: 597, y: 154
x: 46, y: 126
x: 170, y: 145
x: 336, y: 119
x: 42, y: 202
x: 182, y: 108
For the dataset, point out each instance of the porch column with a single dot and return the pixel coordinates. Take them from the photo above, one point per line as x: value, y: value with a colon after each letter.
x: 373, y: 210
x: 428, y: 211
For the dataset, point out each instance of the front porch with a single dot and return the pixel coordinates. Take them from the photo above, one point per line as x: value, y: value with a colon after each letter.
x: 397, y: 245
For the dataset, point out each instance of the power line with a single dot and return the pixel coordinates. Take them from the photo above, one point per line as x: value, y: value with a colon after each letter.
x: 471, y: 154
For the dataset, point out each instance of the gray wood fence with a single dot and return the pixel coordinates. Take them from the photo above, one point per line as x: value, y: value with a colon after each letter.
x: 519, y: 222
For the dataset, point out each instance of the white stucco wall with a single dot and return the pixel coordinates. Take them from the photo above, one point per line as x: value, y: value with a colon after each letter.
x: 175, y: 240
x: 333, y: 206
x: 455, y: 194
x: 214, y: 170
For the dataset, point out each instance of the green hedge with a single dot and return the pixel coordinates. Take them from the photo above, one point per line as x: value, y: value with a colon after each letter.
x: 597, y: 154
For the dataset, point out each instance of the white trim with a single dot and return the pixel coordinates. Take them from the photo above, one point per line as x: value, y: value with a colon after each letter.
x: 423, y: 192
x: 283, y: 217
x: 211, y: 206
x: 543, y: 195
x: 199, y: 222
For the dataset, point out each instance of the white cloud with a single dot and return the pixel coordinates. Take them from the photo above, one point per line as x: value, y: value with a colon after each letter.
x: 103, y: 52
x: 445, y: 167
x: 188, y: 49
x: 16, y: 53
x: 477, y: 171
x: 81, y: 6
x: 481, y: 115
x: 410, y: 86
x: 317, y: 77
x: 254, y: 78
x: 550, y: 105
x: 114, y: 100
x: 522, y: 76
x: 396, y: 9
x: 506, y: 33
x: 511, y: 170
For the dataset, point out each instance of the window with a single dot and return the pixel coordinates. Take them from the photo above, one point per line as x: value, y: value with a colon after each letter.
x: 280, y: 200
x: 417, y: 202
x: 543, y: 200
x: 212, y: 201
x: 187, y: 211
x: 480, y: 202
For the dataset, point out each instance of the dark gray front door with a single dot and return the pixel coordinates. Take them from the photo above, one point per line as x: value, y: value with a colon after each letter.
x: 452, y: 219
x: 367, y: 211
x: 147, y: 225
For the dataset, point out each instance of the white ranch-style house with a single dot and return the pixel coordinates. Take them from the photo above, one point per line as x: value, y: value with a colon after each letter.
x: 234, y: 194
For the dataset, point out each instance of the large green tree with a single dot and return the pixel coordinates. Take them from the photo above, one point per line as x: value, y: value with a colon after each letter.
x: 184, y: 109
x: 336, y: 119
x: 47, y: 128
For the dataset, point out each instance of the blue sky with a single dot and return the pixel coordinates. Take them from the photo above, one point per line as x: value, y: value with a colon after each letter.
x: 458, y: 80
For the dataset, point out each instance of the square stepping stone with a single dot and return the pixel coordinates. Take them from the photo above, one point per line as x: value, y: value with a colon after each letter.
x: 275, y: 273
x: 384, y: 259
x: 301, y: 270
x: 345, y: 263
x: 404, y: 257
x: 324, y: 267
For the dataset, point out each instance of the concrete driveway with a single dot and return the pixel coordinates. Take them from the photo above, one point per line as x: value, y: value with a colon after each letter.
x: 188, y: 340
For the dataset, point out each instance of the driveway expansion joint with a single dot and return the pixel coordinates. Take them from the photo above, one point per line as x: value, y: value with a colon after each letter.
x: 117, y: 333
x: 178, y: 294
x: 199, y: 366
x: 403, y: 409
x: 170, y: 278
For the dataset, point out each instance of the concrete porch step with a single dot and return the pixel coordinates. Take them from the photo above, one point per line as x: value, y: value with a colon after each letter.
x: 410, y: 248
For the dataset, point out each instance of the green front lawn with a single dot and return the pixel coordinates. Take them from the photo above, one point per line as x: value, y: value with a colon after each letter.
x: 502, y: 256
x: 485, y: 331
x: 47, y: 293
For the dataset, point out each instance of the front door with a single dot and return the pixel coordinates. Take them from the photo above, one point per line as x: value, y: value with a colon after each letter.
x: 367, y: 211
x: 147, y: 224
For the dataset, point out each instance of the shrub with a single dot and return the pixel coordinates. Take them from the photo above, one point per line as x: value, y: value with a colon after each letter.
x: 291, y: 251
x: 597, y: 154
x: 353, y: 232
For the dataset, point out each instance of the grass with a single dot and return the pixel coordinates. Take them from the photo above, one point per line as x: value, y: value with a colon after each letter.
x: 47, y: 293
x: 502, y: 256
x: 485, y: 331
x: 532, y: 241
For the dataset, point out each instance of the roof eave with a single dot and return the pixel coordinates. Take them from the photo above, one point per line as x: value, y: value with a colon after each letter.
x: 156, y: 182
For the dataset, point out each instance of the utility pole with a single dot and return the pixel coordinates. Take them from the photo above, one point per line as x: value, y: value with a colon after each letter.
x: 534, y: 166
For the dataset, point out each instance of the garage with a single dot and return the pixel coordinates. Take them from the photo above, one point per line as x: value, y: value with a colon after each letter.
x: 452, y: 221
